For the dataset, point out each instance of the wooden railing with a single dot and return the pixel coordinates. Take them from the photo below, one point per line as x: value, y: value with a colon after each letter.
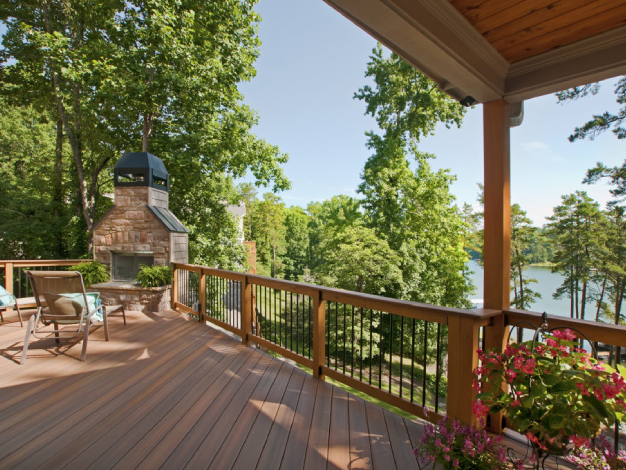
x: 12, y: 271
x: 407, y: 354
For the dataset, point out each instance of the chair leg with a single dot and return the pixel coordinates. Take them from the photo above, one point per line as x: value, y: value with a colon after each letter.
x: 19, y: 314
x: 105, y: 319
x: 31, y: 322
x: 56, y: 333
x: 83, y: 355
x: 124, y: 315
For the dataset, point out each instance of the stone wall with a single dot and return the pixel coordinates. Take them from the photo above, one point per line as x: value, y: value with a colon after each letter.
x: 131, y: 227
x: 133, y: 297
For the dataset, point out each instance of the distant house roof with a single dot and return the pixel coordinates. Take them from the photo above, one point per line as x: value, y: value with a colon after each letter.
x: 168, y: 219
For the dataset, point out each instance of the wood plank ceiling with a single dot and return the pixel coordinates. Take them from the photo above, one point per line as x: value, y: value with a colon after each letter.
x: 519, y: 29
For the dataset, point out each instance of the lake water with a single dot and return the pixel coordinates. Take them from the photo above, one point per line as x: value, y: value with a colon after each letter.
x: 548, y: 282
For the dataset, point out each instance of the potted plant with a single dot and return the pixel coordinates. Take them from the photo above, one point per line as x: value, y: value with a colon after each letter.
x: 154, y: 276
x: 455, y: 445
x: 93, y: 272
x: 550, y: 391
x: 599, y: 456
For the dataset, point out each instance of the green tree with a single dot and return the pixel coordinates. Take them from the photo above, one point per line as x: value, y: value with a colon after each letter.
x: 613, y: 263
x: 357, y: 259
x: 410, y: 207
x: 576, y: 228
x: 296, y: 257
x: 522, y: 234
x: 599, y: 122
x: 327, y: 219
x: 268, y: 230
x: 30, y: 224
x: 158, y: 75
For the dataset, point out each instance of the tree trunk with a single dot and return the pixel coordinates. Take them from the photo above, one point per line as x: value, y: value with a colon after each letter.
x: 583, y: 301
x: 601, y: 297
x: 57, y: 185
x: 148, y: 124
x: 571, y: 294
x: 274, y: 262
x: 72, y: 132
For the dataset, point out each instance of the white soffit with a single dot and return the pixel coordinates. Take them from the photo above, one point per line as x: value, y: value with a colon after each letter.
x: 435, y: 38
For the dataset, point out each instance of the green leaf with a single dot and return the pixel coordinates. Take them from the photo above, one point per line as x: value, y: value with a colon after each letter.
x: 597, y: 405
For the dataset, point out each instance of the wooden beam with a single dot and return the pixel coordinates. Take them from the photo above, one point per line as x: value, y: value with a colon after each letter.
x: 8, y: 277
x: 319, y: 336
x: 246, y: 311
x: 497, y: 239
x: 497, y: 251
x: 462, y: 361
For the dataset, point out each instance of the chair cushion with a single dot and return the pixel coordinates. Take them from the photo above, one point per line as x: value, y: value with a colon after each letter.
x: 93, y: 303
x: 5, y: 297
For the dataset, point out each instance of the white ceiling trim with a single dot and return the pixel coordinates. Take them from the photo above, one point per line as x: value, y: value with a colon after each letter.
x: 435, y: 38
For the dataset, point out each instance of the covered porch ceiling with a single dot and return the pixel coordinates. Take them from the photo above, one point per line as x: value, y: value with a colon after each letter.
x: 493, y: 49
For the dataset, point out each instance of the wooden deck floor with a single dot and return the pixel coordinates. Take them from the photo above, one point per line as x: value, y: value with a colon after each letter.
x: 167, y: 392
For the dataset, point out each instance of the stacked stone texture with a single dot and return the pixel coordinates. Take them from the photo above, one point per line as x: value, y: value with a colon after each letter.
x: 140, y: 299
x: 131, y: 227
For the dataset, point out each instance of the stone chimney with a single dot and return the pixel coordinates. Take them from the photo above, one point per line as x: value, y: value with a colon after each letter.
x: 139, y: 228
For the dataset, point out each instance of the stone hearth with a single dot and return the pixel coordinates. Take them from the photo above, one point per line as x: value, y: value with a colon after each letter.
x: 134, y: 297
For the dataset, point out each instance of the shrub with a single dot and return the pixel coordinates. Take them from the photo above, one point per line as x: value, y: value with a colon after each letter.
x: 453, y: 445
x: 93, y: 272
x: 154, y: 276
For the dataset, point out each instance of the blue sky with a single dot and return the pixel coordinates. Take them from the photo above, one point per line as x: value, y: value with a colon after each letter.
x: 313, y: 61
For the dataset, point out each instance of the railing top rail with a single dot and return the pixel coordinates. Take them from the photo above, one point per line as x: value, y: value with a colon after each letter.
x: 385, y: 304
x: 42, y: 262
x: 595, y: 331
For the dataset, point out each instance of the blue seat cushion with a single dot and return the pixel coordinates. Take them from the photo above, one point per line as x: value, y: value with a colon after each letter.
x: 5, y: 297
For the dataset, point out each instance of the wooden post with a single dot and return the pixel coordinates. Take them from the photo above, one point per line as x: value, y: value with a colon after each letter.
x: 497, y: 241
x: 246, y: 311
x: 174, y: 285
x: 202, y: 289
x: 319, y: 335
x: 8, y: 277
x: 462, y: 360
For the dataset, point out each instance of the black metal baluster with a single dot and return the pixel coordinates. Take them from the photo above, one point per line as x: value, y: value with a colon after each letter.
x: 380, y: 352
x: 310, y: 325
x: 361, y: 346
x: 413, y: 360
x: 336, y: 334
x: 424, y: 363
x: 290, y: 320
x: 438, y: 368
x: 390, y: 350
x: 344, y: 338
x: 401, y: 353
x: 327, y: 321
x: 352, y: 351
x: 371, y: 328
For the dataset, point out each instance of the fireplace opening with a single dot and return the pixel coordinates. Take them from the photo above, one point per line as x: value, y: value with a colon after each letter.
x: 125, y: 266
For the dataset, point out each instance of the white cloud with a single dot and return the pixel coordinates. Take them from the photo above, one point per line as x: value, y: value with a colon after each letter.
x: 533, y: 146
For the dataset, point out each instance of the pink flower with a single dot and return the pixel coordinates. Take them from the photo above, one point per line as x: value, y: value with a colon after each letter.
x: 479, y: 409
x: 510, y: 375
x: 580, y: 441
x: 567, y: 334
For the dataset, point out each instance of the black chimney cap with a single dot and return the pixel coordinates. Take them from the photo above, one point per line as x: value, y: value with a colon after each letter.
x: 141, y: 169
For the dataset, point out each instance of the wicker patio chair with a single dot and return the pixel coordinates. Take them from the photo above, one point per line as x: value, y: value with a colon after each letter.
x: 63, y: 303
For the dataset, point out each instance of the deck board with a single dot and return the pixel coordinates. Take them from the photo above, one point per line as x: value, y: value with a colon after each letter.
x: 167, y: 392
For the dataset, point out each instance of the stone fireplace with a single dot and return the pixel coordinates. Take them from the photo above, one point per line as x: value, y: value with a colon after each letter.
x: 139, y: 228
